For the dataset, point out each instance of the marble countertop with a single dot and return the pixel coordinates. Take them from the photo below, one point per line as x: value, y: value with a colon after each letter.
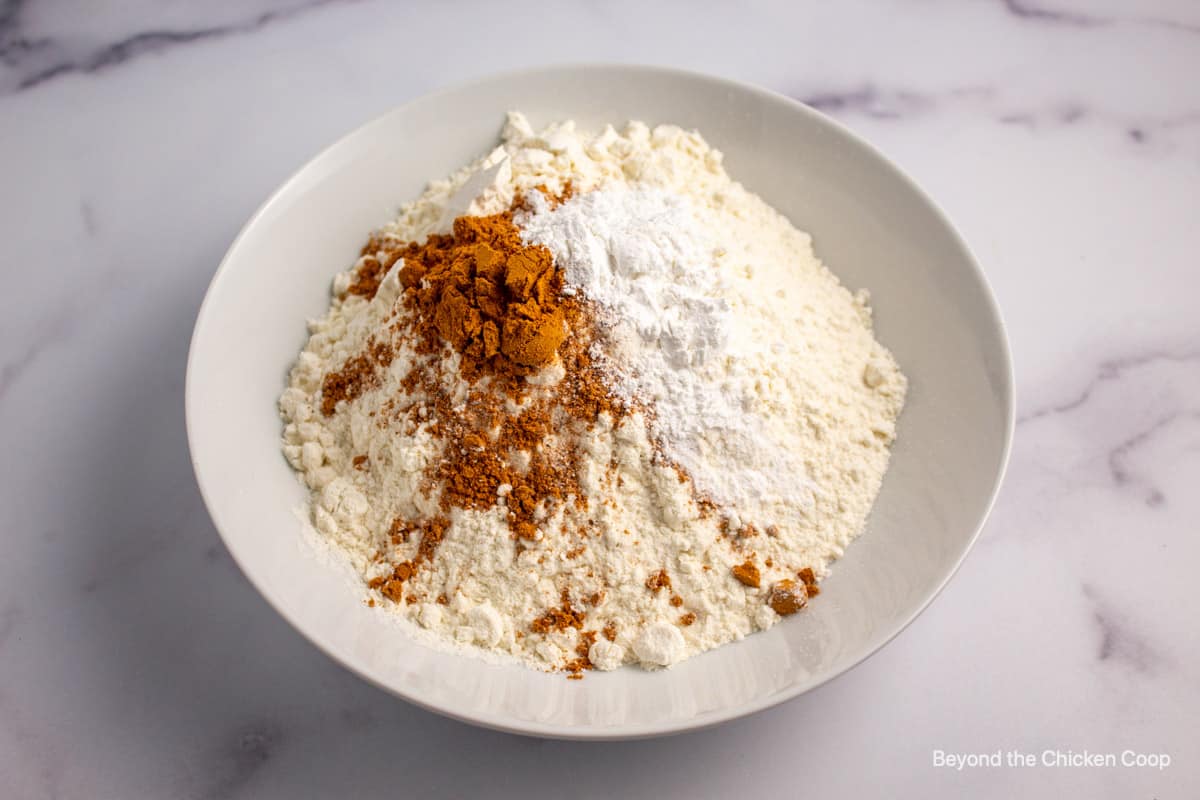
x: 1062, y: 136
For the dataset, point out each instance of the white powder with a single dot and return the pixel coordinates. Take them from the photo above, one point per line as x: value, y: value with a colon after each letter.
x: 763, y: 378
x: 653, y: 261
x: 645, y: 255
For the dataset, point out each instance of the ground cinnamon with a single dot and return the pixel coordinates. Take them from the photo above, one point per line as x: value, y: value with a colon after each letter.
x: 358, y: 374
x: 786, y: 597
x: 809, y: 578
x: 560, y: 618
x: 748, y: 574
x: 482, y: 308
x: 659, y: 580
x: 432, y: 531
x: 486, y: 293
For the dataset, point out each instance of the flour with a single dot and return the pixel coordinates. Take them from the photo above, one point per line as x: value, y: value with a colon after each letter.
x: 757, y: 371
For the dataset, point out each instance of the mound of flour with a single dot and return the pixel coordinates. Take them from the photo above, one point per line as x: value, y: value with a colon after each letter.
x: 760, y: 376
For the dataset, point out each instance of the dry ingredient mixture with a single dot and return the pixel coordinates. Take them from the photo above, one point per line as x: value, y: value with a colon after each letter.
x: 589, y: 402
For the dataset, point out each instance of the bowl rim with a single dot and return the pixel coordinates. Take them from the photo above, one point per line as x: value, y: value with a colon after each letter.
x: 640, y: 730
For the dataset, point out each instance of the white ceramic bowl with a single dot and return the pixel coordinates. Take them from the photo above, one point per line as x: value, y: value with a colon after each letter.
x: 870, y: 224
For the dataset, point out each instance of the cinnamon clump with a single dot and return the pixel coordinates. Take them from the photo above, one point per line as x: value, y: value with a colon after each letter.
x: 748, y: 574
x: 659, y: 580
x: 786, y: 597
x: 809, y: 579
x: 493, y: 298
x: 559, y: 619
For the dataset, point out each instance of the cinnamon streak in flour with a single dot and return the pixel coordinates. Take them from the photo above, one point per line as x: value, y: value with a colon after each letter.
x: 480, y: 302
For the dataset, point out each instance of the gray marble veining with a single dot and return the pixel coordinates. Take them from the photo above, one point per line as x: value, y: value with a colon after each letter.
x: 34, y: 59
x: 1080, y: 15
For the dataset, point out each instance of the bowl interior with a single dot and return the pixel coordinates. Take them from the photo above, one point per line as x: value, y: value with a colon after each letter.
x: 870, y: 225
